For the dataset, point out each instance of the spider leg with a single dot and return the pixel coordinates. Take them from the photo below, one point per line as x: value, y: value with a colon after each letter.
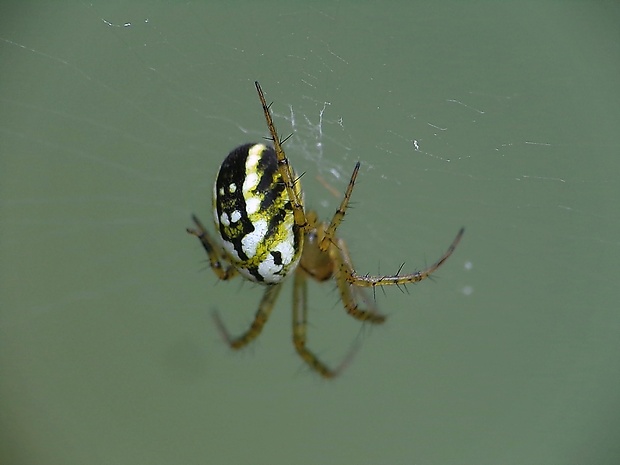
x: 344, y: 267
x: 292, y: 187
x: 300, y: 323
x: 330, y: 232
x: 371, y: 281
x: 262, y: 315
x: 208, y: 244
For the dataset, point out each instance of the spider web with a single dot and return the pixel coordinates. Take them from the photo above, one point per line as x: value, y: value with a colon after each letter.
x: 115, y: 119
x: 155, y: 110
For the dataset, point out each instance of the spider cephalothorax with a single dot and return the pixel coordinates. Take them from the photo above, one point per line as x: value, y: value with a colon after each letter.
x: 265, y: 234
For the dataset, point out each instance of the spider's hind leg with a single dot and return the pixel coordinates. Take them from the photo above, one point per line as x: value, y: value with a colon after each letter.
x: 300, y: 323
x: 262, y: 315
x: 215, y: 259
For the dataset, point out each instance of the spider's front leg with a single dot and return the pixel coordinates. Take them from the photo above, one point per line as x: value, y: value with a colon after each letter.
x: 343, y: 267
x: 371, y: 281
x: 330, y: 232
x: 293, y: 188
x: 339, y: 255
x: 262, y: 315
x: 211, y: 248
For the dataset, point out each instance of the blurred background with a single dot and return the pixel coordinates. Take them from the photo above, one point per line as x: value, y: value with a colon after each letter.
x: 498, y: 116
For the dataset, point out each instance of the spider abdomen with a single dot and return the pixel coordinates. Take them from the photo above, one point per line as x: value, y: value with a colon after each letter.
x: 254, y: 217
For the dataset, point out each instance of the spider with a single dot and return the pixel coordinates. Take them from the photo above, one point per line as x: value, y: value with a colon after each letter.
x: 265, y: 235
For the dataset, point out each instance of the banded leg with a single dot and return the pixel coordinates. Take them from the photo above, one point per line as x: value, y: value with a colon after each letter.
x: 340, y: 255
x: 292, y: 188
x: 330, y: 232
x: 300, y: 323
x: 346, y: 269
x: 212, y: 251
x: 262, y: 315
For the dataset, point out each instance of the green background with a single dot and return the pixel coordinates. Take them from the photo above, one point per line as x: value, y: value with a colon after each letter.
x: 114, y: 118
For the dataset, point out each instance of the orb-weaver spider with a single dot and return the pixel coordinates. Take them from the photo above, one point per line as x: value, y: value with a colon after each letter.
x: 265, y: 235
